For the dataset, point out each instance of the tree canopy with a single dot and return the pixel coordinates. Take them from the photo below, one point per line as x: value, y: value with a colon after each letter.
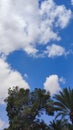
x: 24, y: 107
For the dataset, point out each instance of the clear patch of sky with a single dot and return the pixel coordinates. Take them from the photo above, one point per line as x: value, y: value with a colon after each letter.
x: 45, y: 117
x: 38, y: 69
x: 67, y: 3
x: 67, y: 36
x: 3, y: 113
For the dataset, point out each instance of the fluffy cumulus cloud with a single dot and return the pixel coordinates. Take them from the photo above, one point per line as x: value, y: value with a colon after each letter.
x: 55, y: 50
x: 9, y: 78
x: 25, y: 25
x: 52, y: 84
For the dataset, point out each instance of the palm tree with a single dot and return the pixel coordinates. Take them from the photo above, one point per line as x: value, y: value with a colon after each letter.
x: 64, y: 103
x: 58, y: 125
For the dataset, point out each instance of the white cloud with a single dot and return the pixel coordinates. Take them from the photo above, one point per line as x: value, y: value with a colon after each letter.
x: 55, y: 50
x: 26, y: 75
x: 62, y: 80
x: 3, y: 124
x: 52, y: 84
x: 9, y: 78
x: 71, y: 2
x: 23, y: 25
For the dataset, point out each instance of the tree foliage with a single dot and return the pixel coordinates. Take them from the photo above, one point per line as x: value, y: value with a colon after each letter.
x: 24, y: 106
x: 64, y: 103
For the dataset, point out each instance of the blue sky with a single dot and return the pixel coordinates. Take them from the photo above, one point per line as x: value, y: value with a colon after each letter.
x: 36, y: 46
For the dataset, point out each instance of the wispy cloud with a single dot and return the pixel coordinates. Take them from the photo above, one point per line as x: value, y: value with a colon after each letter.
x: 55, y: 50
x: 71, y: 2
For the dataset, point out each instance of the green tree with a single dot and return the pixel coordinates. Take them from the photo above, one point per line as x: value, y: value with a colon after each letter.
x: 64, y: 103
x: 24, y: 106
